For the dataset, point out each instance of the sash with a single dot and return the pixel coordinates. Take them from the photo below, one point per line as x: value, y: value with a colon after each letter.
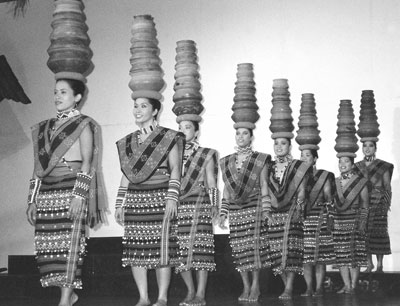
x: 49, y: 151
x: 139, y: 162
x: 344, y: 198
x: 315, y: 185
x: 376, y: 169
x: 195, y: 167
x: 282, y: 194
x: 241, y: 184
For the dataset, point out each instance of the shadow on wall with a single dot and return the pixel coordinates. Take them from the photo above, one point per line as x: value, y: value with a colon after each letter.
x: 12, y: 135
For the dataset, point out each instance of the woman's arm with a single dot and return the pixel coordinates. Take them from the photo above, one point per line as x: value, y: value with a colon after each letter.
x: 119, y: 212
x: 174, y: 162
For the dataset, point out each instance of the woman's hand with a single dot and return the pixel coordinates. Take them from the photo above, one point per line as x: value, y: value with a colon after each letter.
x: 31, y: 214
x: 170, y: 209
x: 119, y: 216
x: 268, y: 217
x: 222, y: 220
x: 76, y: 207
x: 214, y: 214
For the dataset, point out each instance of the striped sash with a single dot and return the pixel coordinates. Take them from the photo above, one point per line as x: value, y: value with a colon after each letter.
x: 315, y: 185
x: 282, y: 194
x: 346, y: 196
x: 241, y: 184
x: 195, y: 167
x: 139, y: 162
x: 376, y: 169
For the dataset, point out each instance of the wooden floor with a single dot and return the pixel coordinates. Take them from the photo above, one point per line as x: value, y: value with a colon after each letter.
x: 328, y: 300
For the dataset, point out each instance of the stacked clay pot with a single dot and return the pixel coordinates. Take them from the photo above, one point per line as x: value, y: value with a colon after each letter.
x: 281, y: 114
x: 69, y: 52
x: 187, y: 96
x: 146, y: 73
x: 308, y: 133
x: 244, y: 107
x: 346, y: 140
x: 368, y: 128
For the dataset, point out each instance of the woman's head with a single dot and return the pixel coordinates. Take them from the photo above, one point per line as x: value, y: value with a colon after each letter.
x: 346, y: 163
x: 190, y: 129
x: 369, y: 148
x: 145, y: 109
x: 282, y: 146
x: 68, y: 93
x: 243, y: 137
x: 309, y: 156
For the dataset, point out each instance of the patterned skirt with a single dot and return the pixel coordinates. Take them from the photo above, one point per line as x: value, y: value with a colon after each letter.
x: 349, y: 243
x: 195, y: 233
x: 59, y: 241
x: 318, y: 240
x: 378, y: 241
x: 149, y: 238
x: 286, y: 242
x: 248, y: 235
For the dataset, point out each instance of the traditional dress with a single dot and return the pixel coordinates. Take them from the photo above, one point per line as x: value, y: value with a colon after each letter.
x: 378, y: 241
x: 195, y: 230
x: 248, y: 236
x: 286, y: 234
x: 318, y: 239
x: 149, y: 239
x: 349, y: 242
x: 60, y: 241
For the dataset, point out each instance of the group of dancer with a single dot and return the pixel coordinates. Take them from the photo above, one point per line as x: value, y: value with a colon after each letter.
x: 284, y: 214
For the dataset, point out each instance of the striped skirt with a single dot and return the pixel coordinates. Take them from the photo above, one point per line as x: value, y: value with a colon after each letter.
x: 378, y: 241
x: 349, y: 243
x: 318, y: 239
x: 248, y: 235
x: 149, y: 239
x: 195, y: 233
x: 286, y: 242
x: 59, y: 241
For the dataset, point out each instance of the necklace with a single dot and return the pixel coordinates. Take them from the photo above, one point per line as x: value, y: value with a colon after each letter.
x: 190, y: 147
x: 370, y: 158
x: 247, y: 151
x: 145, y: 131
x: 67, y: 114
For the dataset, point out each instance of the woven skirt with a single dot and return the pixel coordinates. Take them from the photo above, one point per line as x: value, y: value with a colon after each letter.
x: 59, y: 241
x: 286, y: 243
x: 150, y: 239
x: 195, y: 233
x: 378, y: 241
x: 248, y: 235
x: 349, y: 243
x: 318, y: 239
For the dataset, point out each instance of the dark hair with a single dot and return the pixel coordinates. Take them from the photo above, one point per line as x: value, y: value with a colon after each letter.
x: 78, y: 87
x: 314, y: 153
x: 156, y: 104
x: 250, y: 131
x: 373, y: 142
x: 195, y: 125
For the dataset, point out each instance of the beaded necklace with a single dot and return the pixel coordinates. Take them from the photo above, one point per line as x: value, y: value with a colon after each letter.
x: 247, y: 151
x: 370, y: 158
x: 278, y: 174
x: 145, y: 131
x: 190, y: 147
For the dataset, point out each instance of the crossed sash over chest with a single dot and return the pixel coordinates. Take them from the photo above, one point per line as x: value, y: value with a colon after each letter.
x: 241, y: 183
x: 315, y: 186
x: 346, y: 195
x: 49, y: 150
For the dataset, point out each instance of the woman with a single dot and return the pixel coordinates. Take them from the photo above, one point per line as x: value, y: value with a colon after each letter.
x: 244, y: 174
x: 318, y: 223
x: 62, y: 190
x: 379, y: 174
x: 147, y: 198
x: 198, y: 205
x: 350, y: 221
x: 286, y: 186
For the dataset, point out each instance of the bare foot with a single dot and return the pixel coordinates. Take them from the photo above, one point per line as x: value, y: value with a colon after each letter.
x: 369, y: 269
x: 143, y: 303
x: 379, y: 269
x: 286, y: 295
x: 189, y: 297
x: 253, y: 296
x: 244, y: 297
x: 308, y: 293
x: 197, y: 301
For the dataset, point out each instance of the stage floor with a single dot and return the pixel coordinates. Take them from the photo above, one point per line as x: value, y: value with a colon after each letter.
x: 328, y: 300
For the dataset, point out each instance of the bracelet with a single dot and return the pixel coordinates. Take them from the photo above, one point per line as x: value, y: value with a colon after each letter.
x: 224, y: 209
x: 266, y: 203
x: 213, y: 194
x: 300, y: 203
x: 34, y: 186
x: 82, y: 185
x: 363, y: 214
x: 173, y: 190
x: 121, y: 197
